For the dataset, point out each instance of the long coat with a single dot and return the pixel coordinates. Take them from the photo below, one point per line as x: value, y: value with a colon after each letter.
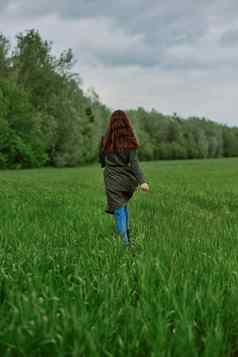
x: 122, y: 175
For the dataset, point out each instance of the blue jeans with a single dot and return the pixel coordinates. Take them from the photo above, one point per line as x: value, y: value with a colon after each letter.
x: 121, y: 217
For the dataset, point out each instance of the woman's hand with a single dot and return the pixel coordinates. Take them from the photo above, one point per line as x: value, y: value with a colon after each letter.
x: 145, y: 187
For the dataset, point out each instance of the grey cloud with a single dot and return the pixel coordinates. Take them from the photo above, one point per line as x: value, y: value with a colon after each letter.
x: 80, y: 8
x: 135, y: 16
x: 163, y: 25
x: 135, y: 57
x: 3, y: 5
x: 224, y: 12
x: 229, y: 38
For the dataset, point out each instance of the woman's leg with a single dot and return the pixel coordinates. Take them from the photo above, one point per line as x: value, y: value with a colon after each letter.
x: 121, y: 223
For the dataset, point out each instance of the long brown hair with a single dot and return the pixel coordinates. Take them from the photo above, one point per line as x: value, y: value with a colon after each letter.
x: 119, y: 135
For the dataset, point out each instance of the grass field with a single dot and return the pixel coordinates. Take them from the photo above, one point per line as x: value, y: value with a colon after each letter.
x: 69, y: 288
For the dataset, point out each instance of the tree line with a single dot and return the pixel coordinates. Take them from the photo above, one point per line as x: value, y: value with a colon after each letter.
x: 46, y: 119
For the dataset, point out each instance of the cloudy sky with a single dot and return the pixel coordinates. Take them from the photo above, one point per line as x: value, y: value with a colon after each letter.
x: 174, y: 56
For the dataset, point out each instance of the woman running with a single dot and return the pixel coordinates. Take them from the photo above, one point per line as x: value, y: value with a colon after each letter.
x: 122, y: 173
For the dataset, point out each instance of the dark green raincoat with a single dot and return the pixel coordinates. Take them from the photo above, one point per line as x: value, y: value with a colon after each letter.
x: 122, y: 175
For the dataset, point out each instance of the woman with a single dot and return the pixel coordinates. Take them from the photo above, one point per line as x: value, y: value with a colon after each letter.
x: 122, y: 173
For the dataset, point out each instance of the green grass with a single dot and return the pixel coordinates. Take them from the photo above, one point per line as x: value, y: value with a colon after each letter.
x: 69, y: 288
